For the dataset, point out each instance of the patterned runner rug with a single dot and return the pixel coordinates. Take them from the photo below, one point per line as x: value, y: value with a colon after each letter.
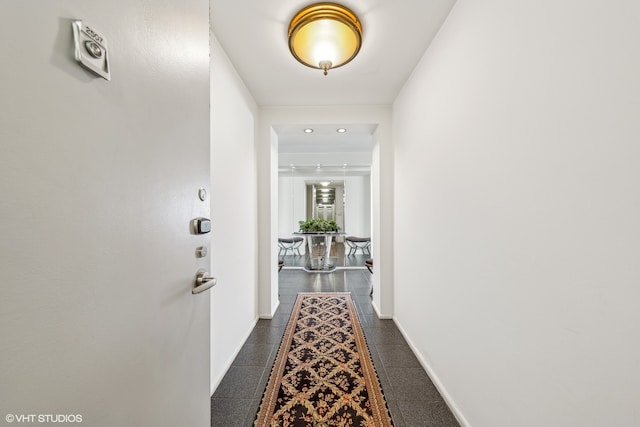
x: 323, y: 375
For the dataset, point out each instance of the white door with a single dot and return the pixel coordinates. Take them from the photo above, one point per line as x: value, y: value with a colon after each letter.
x: 98, y: 183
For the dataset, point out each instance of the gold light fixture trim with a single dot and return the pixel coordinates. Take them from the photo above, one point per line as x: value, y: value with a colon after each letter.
x: 325, y: 36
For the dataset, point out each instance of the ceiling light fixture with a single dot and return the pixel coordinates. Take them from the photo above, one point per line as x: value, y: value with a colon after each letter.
x: 308, y: 130
x: 325, y: 36
x: 341, y: 130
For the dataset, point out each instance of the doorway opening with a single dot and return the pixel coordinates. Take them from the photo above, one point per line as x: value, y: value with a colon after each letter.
x: 277, y: 159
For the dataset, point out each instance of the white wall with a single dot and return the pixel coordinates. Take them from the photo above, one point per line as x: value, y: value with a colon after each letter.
x: 382, y: 215
x: 233, y: 213
x: 517, y: 206
x: 357, y: 213
x: 292, y: 199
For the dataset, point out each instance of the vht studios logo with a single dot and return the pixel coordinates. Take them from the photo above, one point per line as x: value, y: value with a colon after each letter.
x: 43, y: 418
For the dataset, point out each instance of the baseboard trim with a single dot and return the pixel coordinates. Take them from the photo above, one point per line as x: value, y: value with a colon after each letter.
x: 455, y: 410
x: 269, y: 316
x: 380, y: 315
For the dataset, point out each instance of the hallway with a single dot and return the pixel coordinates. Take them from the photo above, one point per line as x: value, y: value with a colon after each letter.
x: 413, y: 400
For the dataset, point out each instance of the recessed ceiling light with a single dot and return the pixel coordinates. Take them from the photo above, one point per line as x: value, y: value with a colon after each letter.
x: 341, y: 130
x: 308, y: 130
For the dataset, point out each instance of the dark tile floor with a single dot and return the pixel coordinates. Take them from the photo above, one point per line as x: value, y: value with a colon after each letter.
x: 341, y: 257
x: 412, y: 398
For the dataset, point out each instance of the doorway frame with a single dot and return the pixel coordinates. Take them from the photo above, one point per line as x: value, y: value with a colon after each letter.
x: 382, y: 173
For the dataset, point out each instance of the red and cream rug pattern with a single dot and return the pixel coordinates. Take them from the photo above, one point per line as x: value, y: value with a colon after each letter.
x: 323, y: 375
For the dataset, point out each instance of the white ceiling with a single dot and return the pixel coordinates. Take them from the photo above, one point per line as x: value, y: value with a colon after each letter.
x: 334, y: 151
x: 396, y: 34
x: 293, y: 139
